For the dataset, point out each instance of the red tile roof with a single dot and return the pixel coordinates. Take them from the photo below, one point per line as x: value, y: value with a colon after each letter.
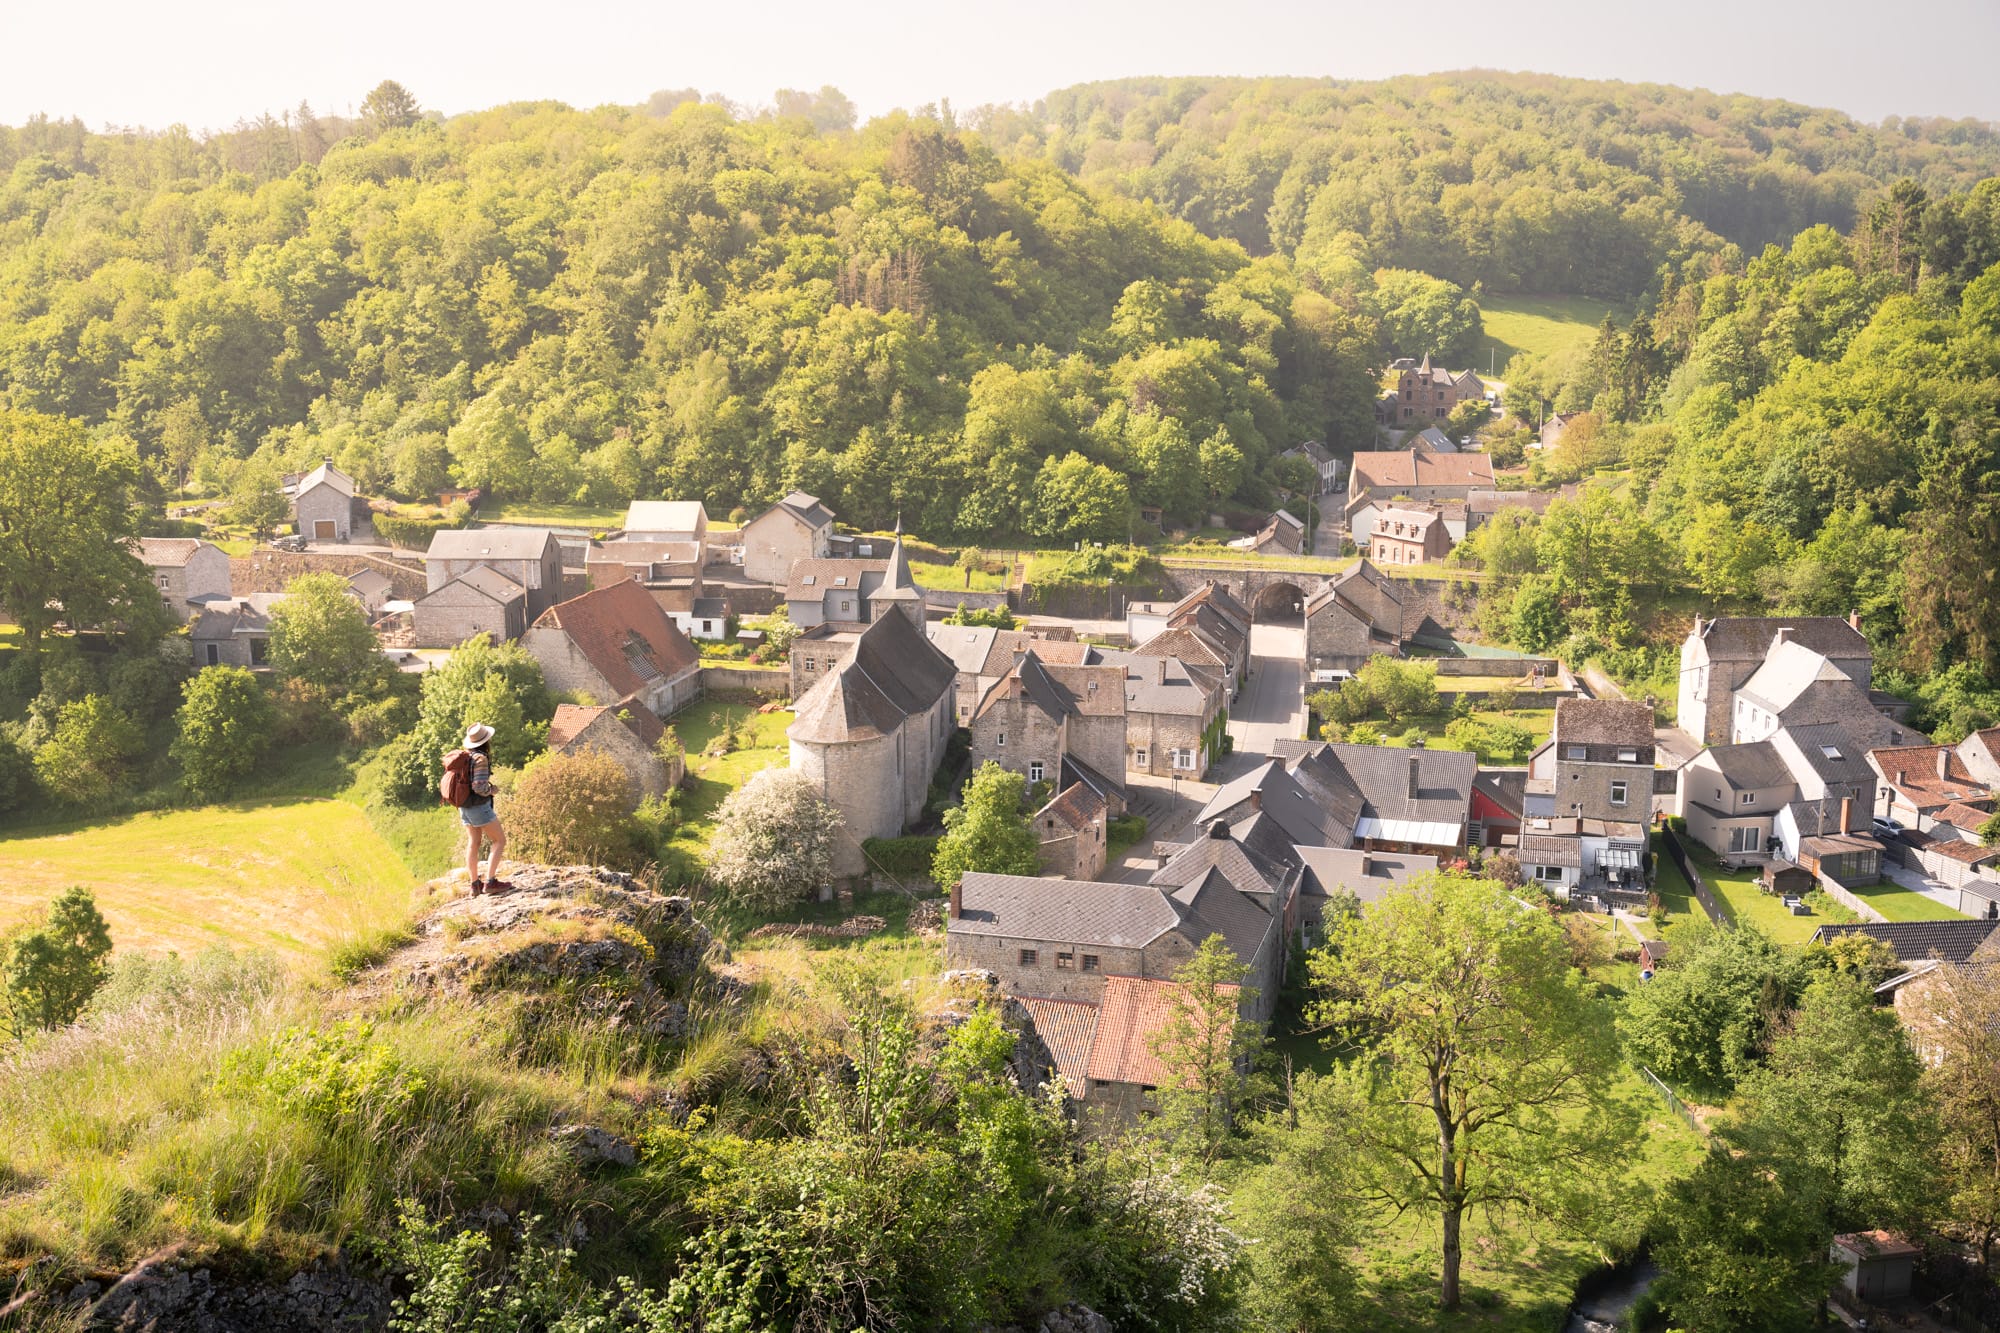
x: 619, y: 627
x: 1066, y: 1028
x: 1913, y: 770
x: 1136, y: 1010
x: 572, y: 720
x: 1397, y: 469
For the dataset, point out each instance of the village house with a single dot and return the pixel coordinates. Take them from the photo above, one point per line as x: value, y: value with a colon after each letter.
x: 846, y: 591
x: 1330, y: 872
x: 1431, y: 440
x: 1553, y: 427
x: 372, y: 588
x: 233, y: 631
x: 187, y: 571
x: 629, y: 735
x: 1799, y: 687
x: 1410, y: 474
x: 1056, y: 724
x: 531, y: 558
x: 670, y: 570
x: 323, y: 504
x: 667, y: 521
x: 1425, y: 393
x: 1924, y: 786
x: 1216, y: 630
x: 1408, y: 535
x: 1354, y: 616
x: 796, y: 528
x: 870, y: 734
x: 982, y: 654
x: 1073, y: 831
x: 482, y: 600
x: 1325, y: 465
x: 1173, y: 714
x: 1719, y: 656
x: 616, y: 646
x: 1282, y: 534
x: 1730, y: 794
x: 1352, y: 796
x: 1481, y: 506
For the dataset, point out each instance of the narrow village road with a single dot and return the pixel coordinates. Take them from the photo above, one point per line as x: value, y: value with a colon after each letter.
x: 1272, y: 705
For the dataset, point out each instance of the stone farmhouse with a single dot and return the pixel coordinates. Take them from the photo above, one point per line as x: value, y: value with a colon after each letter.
x: 1799, y: 687
x: 1424, y: 393
x: 870, y: 733
x: 188, y: 572
x: 233, y: 631
x: 1064, y: 725
x: 1719, y: 657
x: 1074, y: 832
x: 981, y: 653
x: 1173, y: 714
x: 482, y: 600
x: 1355, y: 616
x: 323, y: 504
x: 626, y: 734
x: 529, y: 557
x: 798, y: 527
x: 1214, y: 631
x: 615, y: 645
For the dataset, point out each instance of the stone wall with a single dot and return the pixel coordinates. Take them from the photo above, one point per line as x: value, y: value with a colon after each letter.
x: 1043, y: 979
x: 1015, y: 733
x: 266, y: 570
x: 771, y: 682
x: 947, y: 599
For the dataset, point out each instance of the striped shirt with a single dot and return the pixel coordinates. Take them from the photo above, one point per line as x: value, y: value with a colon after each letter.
x: 482, y: 776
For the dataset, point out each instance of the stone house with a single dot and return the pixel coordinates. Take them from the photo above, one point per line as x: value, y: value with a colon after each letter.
x: 323, y: 504
x: 530, y: 557
x: 482, y: 600
x: 625, y: 733
x: 870, y: 734
x: 983, y: 654
x: 1719, y: 656
x: 1922, y: 786
x: 1597, y: 763
x: 1356, y: 870
x: 1414, y: 475
x: 668, y: 521
x: 1408, y: 535
x: 1481, y: 506
x: 233, y: 631
x: 1055, y: 723
x: 616, y: 645
x: 372, y: 588
x: 796, y: 528
x: 1424, y: 393
x: 1074, y: 831
x: 1173, y: 714
x: 186, y: 570
x: 1367, y: 796
x: 1282, y: 534
x: 1325, y: 464
x: 854, y: 592
x: 672, y: 571
x: 1799, y: 687
x: 1355, y: 616
x: 1431, y: 440
x: 1980, y: 753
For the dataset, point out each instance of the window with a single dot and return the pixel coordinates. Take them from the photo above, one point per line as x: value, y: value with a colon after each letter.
x: 1090, y: 962
x: 1749, y: 798
x: 809, y: 580
x: 1830, y: 751
x: 810, y: 664
x: 1002, y: 742
x: 1183, y: 759
x: 1139, y: 757
x: 214, y: 655
x: 1618, y: 793
x: 1628, y: 756
x: 840, y: 580
x: 1065, y: 960
x: 1552, y: 874
x: 259, y: 649
x: 1574, y: 752
x: 1027, y: 958
x: 1034, y: 772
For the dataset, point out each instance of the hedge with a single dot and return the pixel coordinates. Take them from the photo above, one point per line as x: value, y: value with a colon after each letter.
x: 910, y: 855
x: 412, y: 534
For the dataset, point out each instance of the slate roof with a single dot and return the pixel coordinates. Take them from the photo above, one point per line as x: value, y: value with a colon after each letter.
x: 1748, y: 638
x: 369, y: 578
x: 1061, y: 691
x: 486, y: 580
x: 1603, y: 722
x: 812, y: 579
x: 1214, y: 905
x: 1789, y: 672
x: 1919, y: 781
x: 1754, y: 766
x: 1435, y: 440
x: 1220, y: 855
x: 1365, y: 593
x: 807, y: 509
x: 1444, y: 781
x: 1160, y: 684
x: 1400, y: 469
x: 628, y: 553
x: 166, y: 552
x: 1831, y: 752
x: 1118, y: 916
x: 623, y: 633
x: 1074, y: 771
x: 1505, y: 787
x: 1066, y: 1027
x: 1213, y: 594
x: 968, y: 646
x: 572, y: 720
x: 1134, y: 1013
x: 1367, y: 875
x: 1272, y: 791
x: 1077, y: 806
x: 893, y: 674
x: 665, y: 516
x: 490, y: 544
x: 1953, y: 941
x: 328, y: 475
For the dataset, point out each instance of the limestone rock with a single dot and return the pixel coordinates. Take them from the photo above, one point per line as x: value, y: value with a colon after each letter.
x: 592, y: 1146
x: 162, y: 1295
x: 1074, y: 1318
x: 966, y: 990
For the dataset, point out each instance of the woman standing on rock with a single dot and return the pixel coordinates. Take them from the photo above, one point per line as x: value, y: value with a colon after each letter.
x: 478, y: 815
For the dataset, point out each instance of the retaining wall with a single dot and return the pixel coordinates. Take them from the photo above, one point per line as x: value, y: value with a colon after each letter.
x: 947, y: 599
x: 772, y: 682
x: 266, y: 570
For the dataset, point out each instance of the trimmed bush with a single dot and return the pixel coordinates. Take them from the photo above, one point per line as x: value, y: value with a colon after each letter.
x: 902, y: 856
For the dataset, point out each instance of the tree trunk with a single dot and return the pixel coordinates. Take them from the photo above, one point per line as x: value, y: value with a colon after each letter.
x: 1448, y: 1289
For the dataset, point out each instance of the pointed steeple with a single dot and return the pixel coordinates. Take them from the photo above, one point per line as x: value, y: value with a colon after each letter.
x: 898, y: 584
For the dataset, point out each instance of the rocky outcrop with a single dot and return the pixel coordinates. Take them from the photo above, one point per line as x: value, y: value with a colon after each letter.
x: 968, y: 990
x: 164, y: 1295
x: 594, y: 939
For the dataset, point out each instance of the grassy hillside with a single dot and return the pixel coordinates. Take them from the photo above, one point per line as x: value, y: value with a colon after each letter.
x: 1537, y: 326
x: 291, y: 877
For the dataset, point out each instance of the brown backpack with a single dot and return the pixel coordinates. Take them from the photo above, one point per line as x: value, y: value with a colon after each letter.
x: 455, y: 787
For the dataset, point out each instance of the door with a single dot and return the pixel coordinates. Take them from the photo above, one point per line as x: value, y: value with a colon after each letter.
x: 323, y: 529
x: 214, y: 655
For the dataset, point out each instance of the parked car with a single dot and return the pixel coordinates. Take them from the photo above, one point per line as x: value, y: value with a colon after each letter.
x: 1887, y: 828
x: 289, y: 544
x: 1331, y: 677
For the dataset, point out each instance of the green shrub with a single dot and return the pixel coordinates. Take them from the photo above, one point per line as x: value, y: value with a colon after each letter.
x: 909, y: 855
x: 331, y: 1076
x: 412, y: 532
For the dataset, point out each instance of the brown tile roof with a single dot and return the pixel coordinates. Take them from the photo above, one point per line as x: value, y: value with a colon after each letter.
x: 1078, y: 806
x: 1397, y: 469
x: 1963, y: 816
x: 624, y: 634
x: 1913, y: 770
x: 1066, y: 1028
x: 1135, y: 1011
x: 572, y: 720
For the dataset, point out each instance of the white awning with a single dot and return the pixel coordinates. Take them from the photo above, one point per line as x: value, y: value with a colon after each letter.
x: 1423, y: 832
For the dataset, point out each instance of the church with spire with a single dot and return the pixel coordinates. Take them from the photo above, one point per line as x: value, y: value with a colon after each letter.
x: 845, y: 593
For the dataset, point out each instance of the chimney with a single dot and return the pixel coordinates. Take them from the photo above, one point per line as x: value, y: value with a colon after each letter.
x: 1219, y: 830
x: 1846, y: 813
x: 1854, y: 621
x: 1257, y: 798
x: 1415, y: 765
x: 1944, y: 763
x: 1784, y: 634
x: 957, y: 907
x: 1367, y: 865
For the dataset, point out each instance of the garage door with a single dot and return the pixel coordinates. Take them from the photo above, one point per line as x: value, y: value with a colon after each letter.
x: 323, y: 529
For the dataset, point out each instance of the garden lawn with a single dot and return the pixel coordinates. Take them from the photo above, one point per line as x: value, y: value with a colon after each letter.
x: 292, y: 877
x: 1539, y: 722
x: 761, y: 745
x: 1897, y: 903
x: 548, y: 515
x: 1676, y: 895
x: 952, y: 578
x: 1536, y: 325
x: 1744, y: 899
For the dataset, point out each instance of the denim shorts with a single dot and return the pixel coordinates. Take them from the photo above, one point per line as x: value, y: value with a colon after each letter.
x: 477, y: 816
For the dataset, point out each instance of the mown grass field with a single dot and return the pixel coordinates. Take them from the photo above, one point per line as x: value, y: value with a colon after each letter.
x: 555, y: 516
x: 1536, y: 325
x: 952, y: 577
x: 291, y: 877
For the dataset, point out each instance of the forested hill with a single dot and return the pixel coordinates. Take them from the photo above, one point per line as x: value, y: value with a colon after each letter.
x: 1522, y: 182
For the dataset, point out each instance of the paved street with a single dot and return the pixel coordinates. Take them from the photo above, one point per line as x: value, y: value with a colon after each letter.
x: 1272, y: 704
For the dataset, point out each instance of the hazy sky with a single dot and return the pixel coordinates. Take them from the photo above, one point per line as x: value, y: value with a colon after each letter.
x: 208, y: 62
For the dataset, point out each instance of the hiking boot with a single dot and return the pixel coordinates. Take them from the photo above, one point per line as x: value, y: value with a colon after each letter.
x: 478, y: 887
x: 498, y: 886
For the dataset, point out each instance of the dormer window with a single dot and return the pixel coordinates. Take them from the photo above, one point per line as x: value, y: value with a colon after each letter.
x: 840, y: 580
x: 1830, y: 751
x: 1576, y: 753
x: 1628, y: 756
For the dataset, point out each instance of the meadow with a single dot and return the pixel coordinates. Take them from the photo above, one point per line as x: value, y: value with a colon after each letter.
x: 1536, y: 326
